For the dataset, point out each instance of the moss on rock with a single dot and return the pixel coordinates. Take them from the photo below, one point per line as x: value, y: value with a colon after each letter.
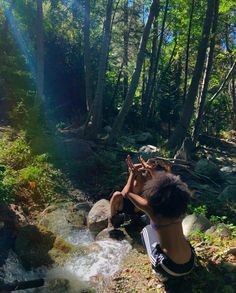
x: 36, y: 246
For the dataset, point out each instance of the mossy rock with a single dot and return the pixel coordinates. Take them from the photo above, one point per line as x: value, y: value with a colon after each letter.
x: 62, y: 219
x: 36, y: 246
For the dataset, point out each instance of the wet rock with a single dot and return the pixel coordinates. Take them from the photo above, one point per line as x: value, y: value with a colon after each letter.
x: 97, y: 219
x: 60, y: 285
x: 195, y: 222
x: 8, y: 230
x: 82, y: 206
x: 228, y: 194
x: 116, y: 234
x: 60, y: 220
x: 36, y: 246
x: 208, y: 168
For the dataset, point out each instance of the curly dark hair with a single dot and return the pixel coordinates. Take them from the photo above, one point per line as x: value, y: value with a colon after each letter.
x: 167, y: 195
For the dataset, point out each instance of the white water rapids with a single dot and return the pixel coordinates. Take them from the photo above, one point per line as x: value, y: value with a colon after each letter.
x: 80, y: 270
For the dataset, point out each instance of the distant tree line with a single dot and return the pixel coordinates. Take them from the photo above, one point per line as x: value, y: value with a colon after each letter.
x: 167, y: 66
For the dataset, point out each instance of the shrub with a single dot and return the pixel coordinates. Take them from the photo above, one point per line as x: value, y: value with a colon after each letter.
x: 26, y: 173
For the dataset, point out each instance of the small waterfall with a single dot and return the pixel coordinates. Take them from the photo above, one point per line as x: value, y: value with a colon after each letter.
x: 104, y: 262
x: 79, y: 271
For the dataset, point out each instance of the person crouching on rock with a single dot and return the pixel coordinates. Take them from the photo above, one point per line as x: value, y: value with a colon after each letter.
x: 121, y: 206
x: 164, y: 200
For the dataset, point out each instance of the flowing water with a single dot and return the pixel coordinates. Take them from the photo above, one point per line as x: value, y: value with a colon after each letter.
x: 80, y: 271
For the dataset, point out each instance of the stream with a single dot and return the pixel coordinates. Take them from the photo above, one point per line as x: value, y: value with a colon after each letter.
x: 78, y: 273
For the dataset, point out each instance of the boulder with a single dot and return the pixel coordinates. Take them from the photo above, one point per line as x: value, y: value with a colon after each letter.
x: 219, y: 230
x: 61, y: 220
x: 8, y: 230
x: 228, y: 194
x: 116, y: 234
x: 208, y: 168
x: 228, y: 169
x: 149, y: 149
x: 97, y: 219
x: 36, y: 246
x: 195, y: 222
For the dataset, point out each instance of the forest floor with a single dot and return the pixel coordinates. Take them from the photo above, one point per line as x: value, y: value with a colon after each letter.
x: 215, y: 271
x: 216, y: 256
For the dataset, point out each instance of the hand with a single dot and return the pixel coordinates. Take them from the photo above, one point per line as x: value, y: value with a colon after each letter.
x: 133, y: 168
x: 133, y: 172
x: 150, y: 168
x: 152, y: 165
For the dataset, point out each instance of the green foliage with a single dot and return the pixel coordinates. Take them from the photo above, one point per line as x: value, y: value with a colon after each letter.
x: 217, y: 219
x: 6, y: 192
x: 200, y: 210
x: 15, y: 155
x: 29, y: 174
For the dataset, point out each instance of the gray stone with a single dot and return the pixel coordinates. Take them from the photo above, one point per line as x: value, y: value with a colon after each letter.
x: 195, y: 222
x: 83, y: 206
x: 219, y: 230
x: 97, y: 219
x: 228, y: 169
x: 62, y: 220
x: 228, y: 194
x: 207, y: 168
x: 149, y: 149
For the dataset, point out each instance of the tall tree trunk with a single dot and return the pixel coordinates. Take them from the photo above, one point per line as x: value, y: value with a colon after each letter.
x: 151, y: 112
x: 207, y: 74
x: 232, y: 86
x: 187, y: 49
x: 87, y: 54
x: 39, y: 52
x: 181, y: 129
x: 216, y: 94
x: 118, y: 123
x: 233, y: 94
x: 97, y: 107
x: 126, y: 47
x: 146, y: 102
x: 150, y: 90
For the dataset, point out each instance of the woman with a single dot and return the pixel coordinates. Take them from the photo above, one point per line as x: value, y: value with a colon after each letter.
x: 164, y: 199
